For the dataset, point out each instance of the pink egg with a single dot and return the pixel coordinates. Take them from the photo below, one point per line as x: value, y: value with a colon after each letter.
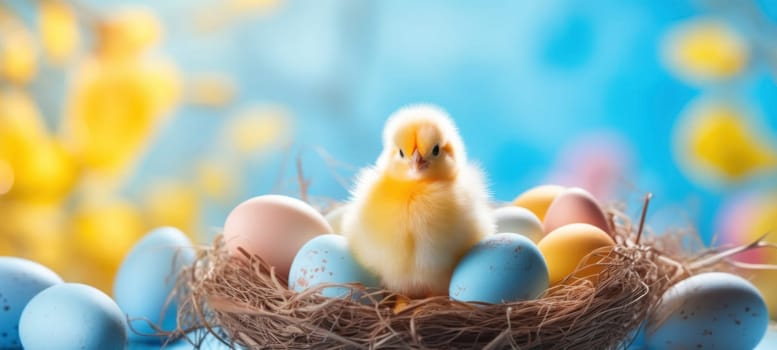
x: 273, y: 227
x: 575, y: 205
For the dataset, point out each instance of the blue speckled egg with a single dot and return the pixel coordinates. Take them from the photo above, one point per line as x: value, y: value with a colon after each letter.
x: 146, y: 278
x: 501, y: 268
x: 328, y: 259
x: 20, y: 280
x: 518, y: 220
x: 712, y: 310
x: 72, y: 316
x: 769, y: 342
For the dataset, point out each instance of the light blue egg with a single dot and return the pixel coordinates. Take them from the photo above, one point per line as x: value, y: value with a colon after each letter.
x: 146, y: 278
x: 328, y: 259
x: 20, y: 280
x: 637, y: 338
x: 72, y: 316
x: 518, y: 220
x: 713, y: 310
x: 501, y: 268
x: 769, y: 341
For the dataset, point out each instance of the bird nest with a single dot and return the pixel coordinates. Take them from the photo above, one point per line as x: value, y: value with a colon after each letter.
x: 246, y: 305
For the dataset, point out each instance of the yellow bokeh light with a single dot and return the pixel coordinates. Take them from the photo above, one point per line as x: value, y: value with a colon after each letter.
x: 254, y: 5
x: 42, y: 168
x: 717, y: 142
x: 227, y: 12
x: 705, y: 49
x: 128, y: 32
x: 172, y: 203
x: 106, y: 230
x: 20, y: 124
x: 723, y: 141
x: 115, y: 109
x: 36, y: 231
x: 46, y: 172
x: 211, y: 89
x: 6, y: 177
x: 58, y: 27
x: 162, y: 80
x: 216, y: 179
x: 18, y: 53
x: 257, y: 128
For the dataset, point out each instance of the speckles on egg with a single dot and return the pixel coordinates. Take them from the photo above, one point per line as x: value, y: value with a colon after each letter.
x: 72, y: 316
x: 328, y: 259
x: 711, y: 311
x: 502, y: 267
x: 20, y: 281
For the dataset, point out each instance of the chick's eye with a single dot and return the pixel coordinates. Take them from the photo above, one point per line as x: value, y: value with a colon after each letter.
x: 401, y: 154
x: 436, y: 150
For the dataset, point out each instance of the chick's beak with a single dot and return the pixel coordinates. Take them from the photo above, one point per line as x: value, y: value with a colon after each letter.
x: 417, y: 162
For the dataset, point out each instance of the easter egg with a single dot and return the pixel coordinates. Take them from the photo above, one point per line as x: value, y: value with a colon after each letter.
x: 538, y: 199
x: 273, y: 227
x: 713, y: 310
x: 575, y: 205
x: 20, y: 280
x: 147, y: 277
x: 518, y: 220
x: 72, y: 316
x: 565, y: 247
x: 328, y: 259
x: 503, y: 267
x: 769, y: 341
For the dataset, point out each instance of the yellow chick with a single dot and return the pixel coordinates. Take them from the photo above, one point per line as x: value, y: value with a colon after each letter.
x: 421, y: 207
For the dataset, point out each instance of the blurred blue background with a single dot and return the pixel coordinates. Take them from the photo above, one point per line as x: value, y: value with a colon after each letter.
x: 524, y: 81
x: 600, y: 94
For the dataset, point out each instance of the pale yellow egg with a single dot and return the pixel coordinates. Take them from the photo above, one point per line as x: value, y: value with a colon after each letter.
x: 567, y: 246
x: 538, y: 199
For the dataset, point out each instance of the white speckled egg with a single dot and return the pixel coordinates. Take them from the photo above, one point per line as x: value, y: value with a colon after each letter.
x: 328, y: 259
x: 147, y: 277
x: 503, y: 267
x: 72, y: 316
x: 713, y: 310
x: 20, y: 280
x: 518, y: 220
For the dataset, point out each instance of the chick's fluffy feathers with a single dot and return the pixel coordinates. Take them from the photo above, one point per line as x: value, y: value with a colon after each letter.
x: 412, y: 232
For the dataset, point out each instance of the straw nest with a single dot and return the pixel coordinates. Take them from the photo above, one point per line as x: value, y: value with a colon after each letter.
x: 244, y: 304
